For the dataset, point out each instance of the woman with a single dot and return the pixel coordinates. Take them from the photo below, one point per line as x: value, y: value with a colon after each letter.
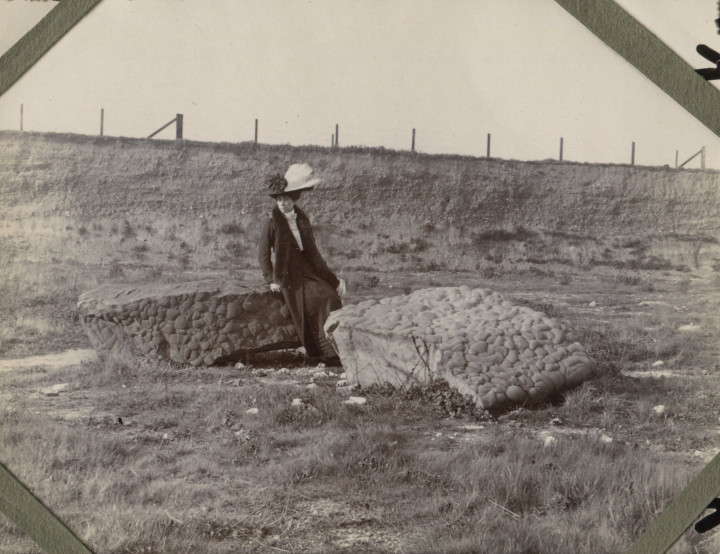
x: 311, y: 290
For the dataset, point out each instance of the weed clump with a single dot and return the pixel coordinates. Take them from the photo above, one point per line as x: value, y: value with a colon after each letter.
x: 127, y: 231
x: 115, y: 269
x: 231, y: 229
x: 438, y: 395
x: 371, y: 281
x: 235, y: 249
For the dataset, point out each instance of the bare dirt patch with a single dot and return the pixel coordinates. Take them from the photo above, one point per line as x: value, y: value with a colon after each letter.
x: 50, y: 361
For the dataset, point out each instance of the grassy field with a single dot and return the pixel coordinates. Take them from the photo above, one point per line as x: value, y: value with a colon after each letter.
x: 190, y: 470
x: 141, y: 457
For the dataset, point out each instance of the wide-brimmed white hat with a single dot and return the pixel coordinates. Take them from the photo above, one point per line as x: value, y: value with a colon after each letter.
x: 299, y: 177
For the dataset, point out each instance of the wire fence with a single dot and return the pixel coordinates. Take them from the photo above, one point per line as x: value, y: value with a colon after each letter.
x: 178, y: 121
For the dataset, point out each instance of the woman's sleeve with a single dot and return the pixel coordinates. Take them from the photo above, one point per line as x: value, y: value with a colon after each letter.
x: 322, y: 269
x: 264, y: 249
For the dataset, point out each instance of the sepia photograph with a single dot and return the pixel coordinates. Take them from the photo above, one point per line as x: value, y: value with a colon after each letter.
x: 328, y: 276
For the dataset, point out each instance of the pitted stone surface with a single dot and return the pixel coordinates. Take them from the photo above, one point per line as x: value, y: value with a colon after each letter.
x: 482, y: 344
x: 196, y: 322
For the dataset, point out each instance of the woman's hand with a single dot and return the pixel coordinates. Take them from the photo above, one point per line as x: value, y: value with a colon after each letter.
x: 274, y: 287
x: 342, y: 288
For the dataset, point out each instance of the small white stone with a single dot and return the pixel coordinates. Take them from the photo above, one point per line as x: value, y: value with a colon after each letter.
x: 472, y: 427
x: 690, y: 328
x: 321, y: 366
x: 252, y: 411
x: 556, y: 421
x: 283, y: 371
x: 549, y: 441
x: 297, y: 402
x: 55, y: 390
x: 343, y: 375
x: 592, y: 304
x: 606, y: 439
x: 356, y: 400
x: 239, y: 365
x: 341, y: 383
x: 166, y: 437
x: 659, y: 363
x: 659, y: 409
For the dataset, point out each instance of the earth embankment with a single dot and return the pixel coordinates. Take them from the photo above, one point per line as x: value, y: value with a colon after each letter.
x: 85, y: 177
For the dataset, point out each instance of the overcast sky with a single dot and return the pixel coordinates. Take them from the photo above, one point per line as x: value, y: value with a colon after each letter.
x: 523, y: 70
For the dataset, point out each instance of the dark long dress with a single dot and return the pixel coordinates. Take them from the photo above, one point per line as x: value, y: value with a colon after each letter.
x: 319, y: 299
x: 307, y: 284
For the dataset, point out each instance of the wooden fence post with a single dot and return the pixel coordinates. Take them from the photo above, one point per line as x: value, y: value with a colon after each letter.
x: 632, y: 155
x: 337, y: 135
x: 488, y: 145
x: 102, y: 120
x: 179, y: 127
x: 412, y: 147
x: 561, y: 148
x: 677, y: 153
x: 256, y: 131
x: 702, y: 158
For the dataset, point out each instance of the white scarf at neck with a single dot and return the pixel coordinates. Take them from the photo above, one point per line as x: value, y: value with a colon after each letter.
x: 292, y: 222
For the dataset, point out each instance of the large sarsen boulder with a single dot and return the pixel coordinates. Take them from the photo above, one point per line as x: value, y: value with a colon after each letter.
x: 196, y: 322
x: 483, y: 345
